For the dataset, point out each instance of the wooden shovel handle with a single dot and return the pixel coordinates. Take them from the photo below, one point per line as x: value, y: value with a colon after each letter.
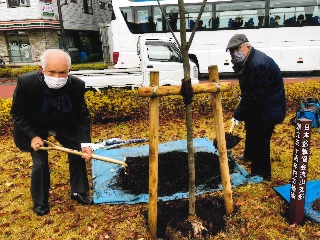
x: 75, y: 152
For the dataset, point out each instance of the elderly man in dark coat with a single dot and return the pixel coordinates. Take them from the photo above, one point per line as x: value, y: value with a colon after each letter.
x: 52, y: 101
x: 262, y: 104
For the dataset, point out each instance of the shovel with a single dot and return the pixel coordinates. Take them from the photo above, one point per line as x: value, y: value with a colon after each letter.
x: 75, y: 152
x: 231, y: 140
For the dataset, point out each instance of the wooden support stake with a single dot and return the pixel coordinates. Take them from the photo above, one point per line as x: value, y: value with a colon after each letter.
x: 221, y: 142
x: 175, y: 90
x: 153, y: 157
x: 154, y: 91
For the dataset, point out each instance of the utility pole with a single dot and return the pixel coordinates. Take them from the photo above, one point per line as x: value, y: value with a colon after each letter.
x: 63, y: 35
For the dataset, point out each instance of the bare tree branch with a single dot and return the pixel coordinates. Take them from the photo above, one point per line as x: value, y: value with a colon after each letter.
x: 197, y: 23
x: 165, y: 18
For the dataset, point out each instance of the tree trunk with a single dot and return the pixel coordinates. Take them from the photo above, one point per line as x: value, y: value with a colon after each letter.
x: 186, y: 67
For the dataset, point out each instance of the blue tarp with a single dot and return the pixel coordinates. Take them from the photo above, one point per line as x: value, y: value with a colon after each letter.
x: 104, y: 174
x: 313, y: 193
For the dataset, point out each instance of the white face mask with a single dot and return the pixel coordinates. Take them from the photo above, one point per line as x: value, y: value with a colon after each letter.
x: 238, y: 57
x: 55, y: 83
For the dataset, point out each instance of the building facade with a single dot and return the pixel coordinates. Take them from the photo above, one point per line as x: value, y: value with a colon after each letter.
x: 28, y: 27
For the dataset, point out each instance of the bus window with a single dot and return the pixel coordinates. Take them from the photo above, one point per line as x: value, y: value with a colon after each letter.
x: 144, y: 19
x: 158, y: 19
x: 293, y: 14
x: 128, y: 16
x: 283, y: 17
x: 192, y: 12
x: 312, y: 15
x: 237, y: 15
x: 172, y: 14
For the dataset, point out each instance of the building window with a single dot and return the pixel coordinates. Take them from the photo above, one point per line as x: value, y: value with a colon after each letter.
x: 69, y: 42
x: 18, y: 46
x: 87, y: 6
x: 18, y: 3
x: 102, y: 5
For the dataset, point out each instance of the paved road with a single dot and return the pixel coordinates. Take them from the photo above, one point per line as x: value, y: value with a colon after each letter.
x: 7, y: 87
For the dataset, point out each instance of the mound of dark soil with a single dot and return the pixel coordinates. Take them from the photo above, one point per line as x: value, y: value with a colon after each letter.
x: 209, y: 210
x: 173, y: 177
x: 316, y: 205
x: 173, y: 173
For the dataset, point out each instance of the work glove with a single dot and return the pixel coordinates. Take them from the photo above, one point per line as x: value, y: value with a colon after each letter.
x: 235, y: 120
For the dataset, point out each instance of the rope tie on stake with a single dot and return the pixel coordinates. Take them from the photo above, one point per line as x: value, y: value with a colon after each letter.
x: 218, y: 86
x: 186, y: 91
x: 154, y: 92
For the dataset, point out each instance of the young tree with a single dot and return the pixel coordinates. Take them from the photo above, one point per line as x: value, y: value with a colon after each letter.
x: 187, y: 93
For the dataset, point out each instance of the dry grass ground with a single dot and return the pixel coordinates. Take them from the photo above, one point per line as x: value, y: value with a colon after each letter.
x: 261, y: 213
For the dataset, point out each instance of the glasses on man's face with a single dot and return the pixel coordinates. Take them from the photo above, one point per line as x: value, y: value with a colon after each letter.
x: 238, y: 48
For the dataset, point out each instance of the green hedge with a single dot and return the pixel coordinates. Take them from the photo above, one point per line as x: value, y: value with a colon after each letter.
x: 6, y: 72
x: 85, y: 66
x: 120, y: 104
x: 13, y: 72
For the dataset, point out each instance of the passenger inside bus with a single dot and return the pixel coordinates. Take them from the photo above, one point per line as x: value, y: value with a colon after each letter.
x: 230, y: 23
x: 250, y: 23
x: 215, y: 22
x: 260, y: 23
x: 237, y: 23
x: 191, y: 24
x: 200, y: 26
x: 290, y: 22
x: 311, y: 21
x: 274, y: 22
x: 151, y: 25
x: 300, y: 21
x: 173, y: 19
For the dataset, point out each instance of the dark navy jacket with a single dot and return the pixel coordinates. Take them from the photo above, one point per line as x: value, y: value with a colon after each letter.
x: 263, y: 98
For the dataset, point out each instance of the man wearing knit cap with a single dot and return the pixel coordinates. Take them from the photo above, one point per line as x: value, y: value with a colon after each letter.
x: 262, y: 104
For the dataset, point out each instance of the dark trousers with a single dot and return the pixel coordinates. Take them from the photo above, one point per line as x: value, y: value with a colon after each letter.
x: 257, y: 148
x: 40, y: 176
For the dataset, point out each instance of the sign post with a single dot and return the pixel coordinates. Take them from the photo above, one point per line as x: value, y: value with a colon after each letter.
x: 299, y: 170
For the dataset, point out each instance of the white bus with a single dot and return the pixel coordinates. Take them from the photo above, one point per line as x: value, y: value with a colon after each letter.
x: 287, y: 31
